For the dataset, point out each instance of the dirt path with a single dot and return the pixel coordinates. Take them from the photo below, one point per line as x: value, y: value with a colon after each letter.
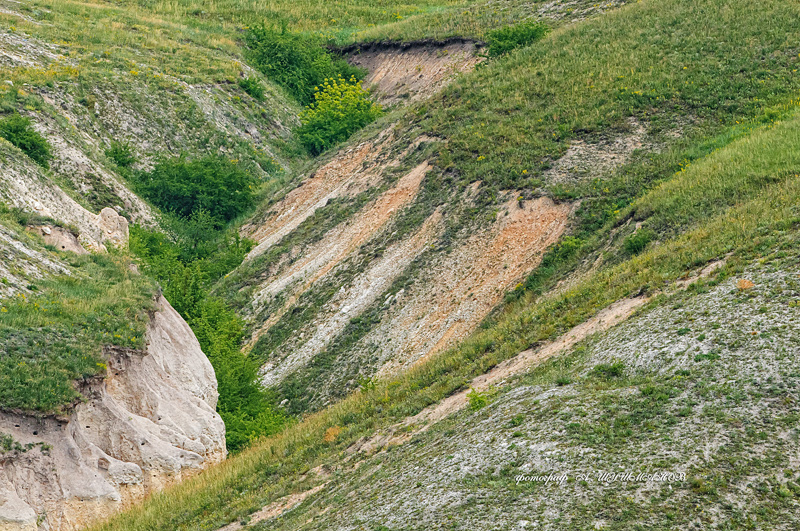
x: 276, y: 508
x: 399, y: 433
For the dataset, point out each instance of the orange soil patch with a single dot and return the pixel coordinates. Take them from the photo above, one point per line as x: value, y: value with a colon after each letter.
x: 416, y: 72
x: 338, y: 244
x: 463, y: 287
x: 353, y: 299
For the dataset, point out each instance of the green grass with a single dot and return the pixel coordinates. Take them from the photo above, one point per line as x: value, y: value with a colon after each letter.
x: 766, y: 218
x: 55, y: 335
x: 660, y: 62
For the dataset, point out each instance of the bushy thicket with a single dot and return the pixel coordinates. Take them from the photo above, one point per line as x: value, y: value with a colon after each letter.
x: 198, y: 248
x: 503, y: 40
x: 340, y: 108
x: 17, y: 130
x: 121, y: 153
x: 253, y: 87
x: 294, y: 61
x: 211, y: 184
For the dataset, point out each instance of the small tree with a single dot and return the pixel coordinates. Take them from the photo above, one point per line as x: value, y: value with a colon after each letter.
x: 17, y: 130
x: 340, y: 108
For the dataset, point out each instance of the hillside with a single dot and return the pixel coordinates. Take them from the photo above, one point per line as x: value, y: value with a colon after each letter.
x: 545, y: 239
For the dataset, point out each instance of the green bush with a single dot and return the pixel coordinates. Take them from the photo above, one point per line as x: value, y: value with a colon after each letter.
x: 121, y: 153
x: 508, y: 38
x: 636, y: 242
x: 608, y: 371
x: 246, y: 407
x: 253, y: 87
x: 196, y: 253
x: 294, y: 61
x: 17, y: 130
x: 340, y: 108
x: 213, y: 184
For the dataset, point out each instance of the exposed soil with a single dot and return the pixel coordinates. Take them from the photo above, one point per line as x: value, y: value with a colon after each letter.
x: 460, y: 289
x: 353, y: 299
x: 337, y: 245
x: 593, y: 159
x: 414, y: 71
x: 348, y: 173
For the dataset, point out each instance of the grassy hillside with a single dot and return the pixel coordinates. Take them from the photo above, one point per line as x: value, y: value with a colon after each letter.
x: 673, y: 129
x: 615, y: 86
x: 764, y: 226
x: 718, y: 180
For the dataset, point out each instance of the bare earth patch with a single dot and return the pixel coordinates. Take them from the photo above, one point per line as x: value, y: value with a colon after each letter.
x: 412, y: 72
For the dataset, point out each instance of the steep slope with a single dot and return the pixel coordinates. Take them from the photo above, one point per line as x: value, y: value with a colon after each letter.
x: 680, y: 396
x: 663, y: 190
x: 556, y: 137
x: 149, y: 423
x: 105, y: 393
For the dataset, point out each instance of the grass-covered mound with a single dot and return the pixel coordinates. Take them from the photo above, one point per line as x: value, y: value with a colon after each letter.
x: 55, y: 334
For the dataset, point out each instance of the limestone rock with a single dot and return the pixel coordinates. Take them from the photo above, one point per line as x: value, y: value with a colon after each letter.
x: 150, y: 422
x: 114, y: 227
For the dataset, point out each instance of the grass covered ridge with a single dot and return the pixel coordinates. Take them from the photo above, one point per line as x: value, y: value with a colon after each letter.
x: 55, y: 335
x: 753, y: 224
x: 660, y: 62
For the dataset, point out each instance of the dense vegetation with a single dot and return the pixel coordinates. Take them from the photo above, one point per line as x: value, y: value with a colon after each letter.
x: 503, y: 40
x: 336, y: 105
x: 17, y: 130
x: 296, y: 62
x: 340, y: 108
x: 211, y: 184
x: 201, y: 198
x: 55, y: 334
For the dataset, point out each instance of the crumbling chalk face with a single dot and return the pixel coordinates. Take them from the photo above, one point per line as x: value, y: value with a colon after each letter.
x: 113, y: 227
x: 23, y: 185
x: 60, y: 238
x: 150, y: 422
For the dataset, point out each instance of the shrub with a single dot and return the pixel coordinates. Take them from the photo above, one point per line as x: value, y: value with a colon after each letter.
x: 253, y: 87
x: 508, y: 38
x: 294, y: 61
x: 563, y: 380
x: 607, y: 371
x: 17, y: 130
x: 477, y: 400
x: 121, y: 153
x: 340, y: 108
x: 636, y: 242
x: 246, y: 407
x: 212, y: 183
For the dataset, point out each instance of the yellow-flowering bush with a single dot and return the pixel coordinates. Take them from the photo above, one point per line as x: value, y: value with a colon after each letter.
x: 340, y: 108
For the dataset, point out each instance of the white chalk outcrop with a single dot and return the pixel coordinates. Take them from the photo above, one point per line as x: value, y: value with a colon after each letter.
x: 150, y: 422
